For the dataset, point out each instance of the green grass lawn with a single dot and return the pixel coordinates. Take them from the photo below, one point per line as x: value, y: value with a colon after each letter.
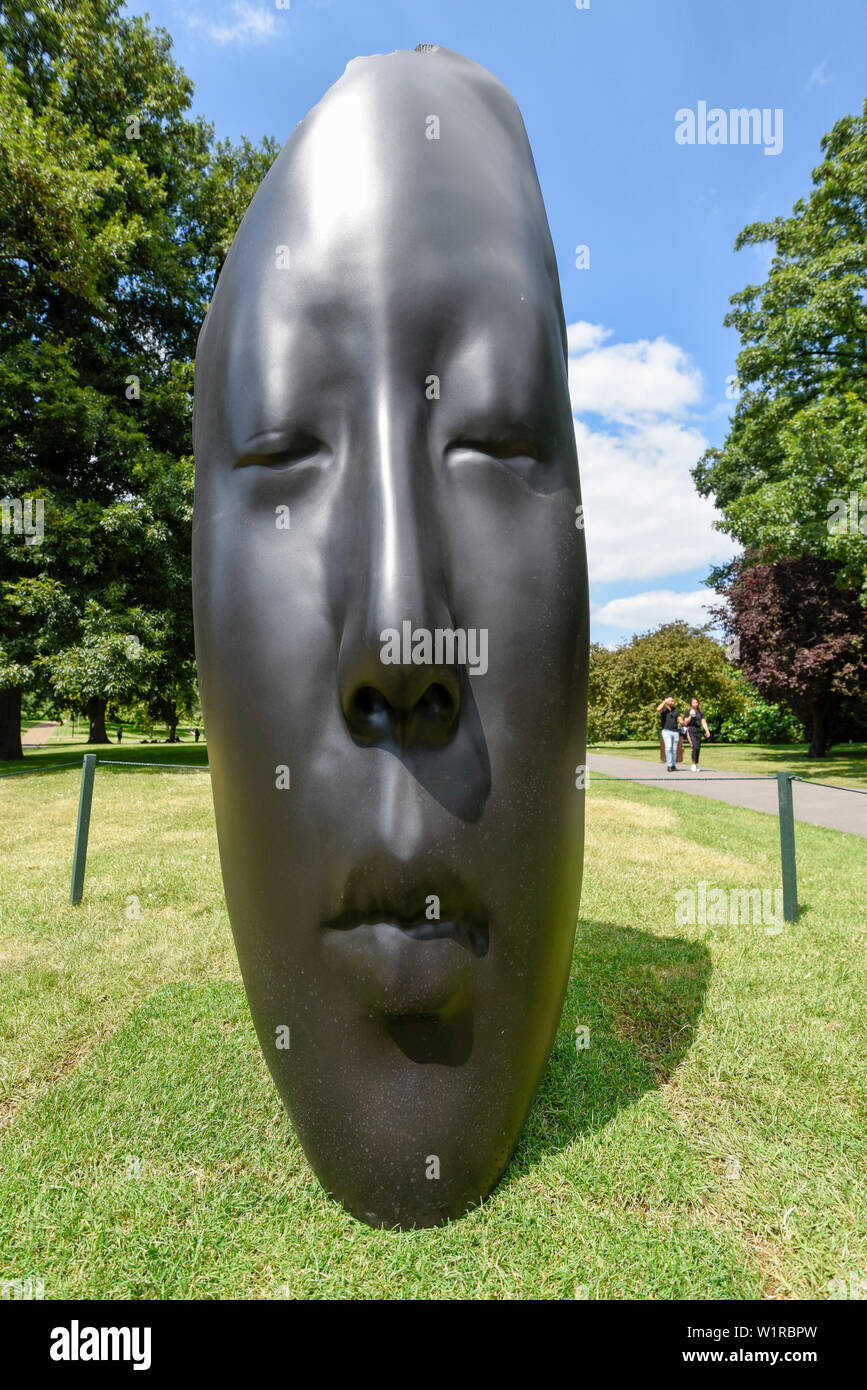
x: 845, y: 765
x: 708, y: 1144
x: 63, y: 751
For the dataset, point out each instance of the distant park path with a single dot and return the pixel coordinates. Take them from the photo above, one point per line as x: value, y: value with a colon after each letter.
x: 39, y: 734
x: 817, y: 805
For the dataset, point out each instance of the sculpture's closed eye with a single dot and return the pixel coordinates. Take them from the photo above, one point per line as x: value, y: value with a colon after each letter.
x: 521, y: 454
x: 301, y: 448
x: 501, y: 448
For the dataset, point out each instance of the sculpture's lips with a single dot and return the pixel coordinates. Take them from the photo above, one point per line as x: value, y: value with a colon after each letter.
x: 471, y: 935
x: 390, y: 903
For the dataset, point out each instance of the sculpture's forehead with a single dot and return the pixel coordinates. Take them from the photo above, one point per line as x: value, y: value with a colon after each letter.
x: 413, y: 176
x: 370, y: 243
x: 395, y: 163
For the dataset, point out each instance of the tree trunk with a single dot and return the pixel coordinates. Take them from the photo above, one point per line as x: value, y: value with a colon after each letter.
x: 10, y: 724
x: 818, y: 734
x: 96, y: 714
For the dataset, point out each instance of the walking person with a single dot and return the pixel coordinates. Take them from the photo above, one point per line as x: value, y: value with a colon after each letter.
x: 694, y: 723
x: 671, y: 722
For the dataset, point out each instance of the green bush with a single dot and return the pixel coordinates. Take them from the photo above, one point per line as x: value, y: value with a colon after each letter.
x: 760, y: 722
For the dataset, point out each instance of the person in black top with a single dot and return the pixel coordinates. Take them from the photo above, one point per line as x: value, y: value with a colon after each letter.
x: 671, y: 722
x: 693, y: 724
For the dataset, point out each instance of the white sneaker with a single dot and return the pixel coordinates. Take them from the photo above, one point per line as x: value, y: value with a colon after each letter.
x: 694, y: 767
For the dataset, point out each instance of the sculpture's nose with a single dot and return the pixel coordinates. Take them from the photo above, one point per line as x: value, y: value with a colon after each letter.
x: 392, y: 687
x: 390, y: 710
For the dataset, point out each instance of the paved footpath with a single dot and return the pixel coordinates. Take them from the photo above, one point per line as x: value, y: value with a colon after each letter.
x: 40, y: 734
x: 836, y: 808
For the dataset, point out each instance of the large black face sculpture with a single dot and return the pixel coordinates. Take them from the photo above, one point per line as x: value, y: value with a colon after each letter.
x: 391, y: 614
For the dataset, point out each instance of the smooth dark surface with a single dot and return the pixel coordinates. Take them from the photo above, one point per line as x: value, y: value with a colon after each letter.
x: 416, y: 1045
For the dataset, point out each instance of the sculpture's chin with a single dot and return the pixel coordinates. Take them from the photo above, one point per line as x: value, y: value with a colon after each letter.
x: 414, y: 1123
x: 446, y: 1039
x: 425, y: 1201
x: 406, y: 1218
x: 400, y: 976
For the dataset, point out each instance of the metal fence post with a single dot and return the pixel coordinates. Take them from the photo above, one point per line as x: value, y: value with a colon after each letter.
x: 79, y: 855
x: 787, y: 846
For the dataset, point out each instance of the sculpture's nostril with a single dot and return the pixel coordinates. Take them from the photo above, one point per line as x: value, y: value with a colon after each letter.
x: 367, y: 702
x: 369, y: 714
x: 436, y: 704
x: 431, y: 719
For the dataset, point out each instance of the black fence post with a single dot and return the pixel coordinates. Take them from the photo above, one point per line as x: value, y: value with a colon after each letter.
x: 787, y: 846
x: 79, y: 855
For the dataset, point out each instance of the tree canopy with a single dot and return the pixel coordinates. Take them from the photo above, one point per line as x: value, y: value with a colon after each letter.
x: 117, y: 209
x: 791, y: 477
x: 800, y: 641
x: 795, y: 451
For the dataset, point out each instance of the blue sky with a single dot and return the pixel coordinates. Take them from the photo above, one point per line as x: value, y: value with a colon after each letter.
x: 599, y: 89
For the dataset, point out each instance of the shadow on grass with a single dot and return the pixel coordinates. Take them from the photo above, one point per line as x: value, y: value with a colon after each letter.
x: 641, y: 997
x: 189, y: 1055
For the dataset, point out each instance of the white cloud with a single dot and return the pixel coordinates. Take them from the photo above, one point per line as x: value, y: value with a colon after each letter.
x: 644, y: 518
x: 640, y: 612
x: 582, y: 336
x: 630, y: 381
x: 251, y: 24
x: 819, y: 77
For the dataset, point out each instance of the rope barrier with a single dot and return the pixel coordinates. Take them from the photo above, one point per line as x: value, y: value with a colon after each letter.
x: 783, y: 780
x: 751, y: 777
x: 109, y: 762
x: 598, y: 776
x: 175, y: 767
x: 831, y: 786
x: 49, y: 767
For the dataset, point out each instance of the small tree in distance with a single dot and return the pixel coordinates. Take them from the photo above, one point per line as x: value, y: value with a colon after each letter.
x: 627, y: 682
x: 106, y: 664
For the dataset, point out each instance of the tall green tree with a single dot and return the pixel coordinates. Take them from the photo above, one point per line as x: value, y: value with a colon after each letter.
x: 116, y: 213
x: 795, y: 452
